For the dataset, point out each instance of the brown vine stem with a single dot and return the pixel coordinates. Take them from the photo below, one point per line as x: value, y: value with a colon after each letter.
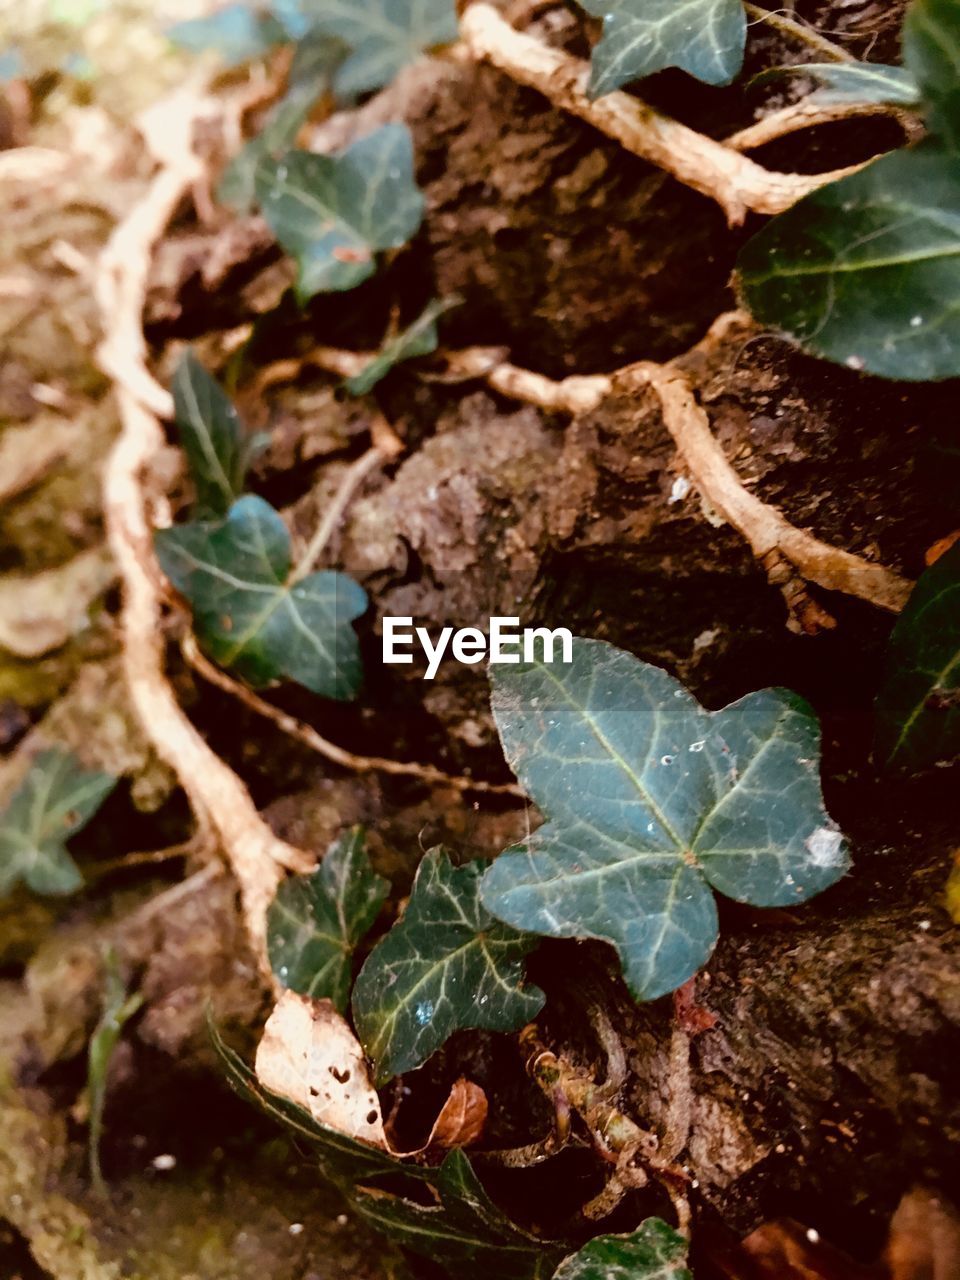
x: 796, y: 30
x: 809, y: 113
x: 735, y: 182
x: 790, y: 556
x: 221, y: 803
x: 782, y: 549
x: 311, y: 738
x: 354, y: 477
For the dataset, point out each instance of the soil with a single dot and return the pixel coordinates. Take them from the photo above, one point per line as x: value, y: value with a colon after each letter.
x: 825, y: 1089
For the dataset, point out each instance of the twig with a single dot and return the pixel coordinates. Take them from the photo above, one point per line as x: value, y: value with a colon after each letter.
x: 809, y: 113
x: 790, y: 27
x: 218, y: 798
x: 353, y: 477
x: 790, y: 556
x: 783, y: 550
x: 737, y: 183
x: 311, y: 738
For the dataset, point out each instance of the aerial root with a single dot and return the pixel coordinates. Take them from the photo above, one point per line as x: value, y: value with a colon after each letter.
x: 735, y: 182
x: 220, y: 801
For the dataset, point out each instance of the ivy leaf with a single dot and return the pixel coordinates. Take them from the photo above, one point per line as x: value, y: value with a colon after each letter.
x: 419, y: 339
x: 653, y: 1252
x: 316, y: 922
x: 651, y: 801
x: 447, y: 964
x: 705, y: 38
x: 866, y: 271
x: 918, y: 710
x: 237, y: 32
x: 315, y: 60
x: 853, y: 82
x: 335, y: 213
x: 931, y: 51
x: 465, y: 1233
x: 384, y: 35
x: 214, y: 439
x: 250, y: 615
x: 56, y: 799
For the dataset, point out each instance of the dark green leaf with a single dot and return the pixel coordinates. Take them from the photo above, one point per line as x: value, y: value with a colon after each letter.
x: 316, y: 921
x: 55, y: 800
x: 384, y: 36
x: 653, y: 1252
x: 703, y: 37
x: 420, y: 339
x: 315, y: 60
x: 251, y: 616
x: 918, y: 711
x: 335, y: 213
x: 214, y: 439
x: 866, y: 271
x: 118, y: 1009
x: 466, y: 1234
x: 931, y: 51
x: 853, y: 82
x: 237, y: 32
x: 446, y: 965
x: 651, y: 800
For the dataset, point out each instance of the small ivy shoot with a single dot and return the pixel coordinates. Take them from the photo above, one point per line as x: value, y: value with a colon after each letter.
x: 56, y: 799
x: 446, y: 965
x: 419, y: 339
x: 653, y: 802
x: 316, y: 922
x: 250, y: 612
x: 333, y: 214
x: 217, y: 445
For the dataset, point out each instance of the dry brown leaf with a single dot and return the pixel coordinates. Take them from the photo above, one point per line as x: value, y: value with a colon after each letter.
x: 462, y: 1117
x: 309, y: 1054
x: 29, y: 453
x: 940, y: 548
x: 40, y: 613
x: 785, y: 1250
x: 924, y: 1238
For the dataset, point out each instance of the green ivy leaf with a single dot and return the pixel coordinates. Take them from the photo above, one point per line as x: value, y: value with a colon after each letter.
x: 853, y: 82
x: 465, y: 1233
x: 651, y: 801
x: 705, y: 38
x: 56, y: 799
x: 419, y: 339
x: 316, y: 922
x: 866, y: 271
x: 931, y: 51
x: 918, y: 710
x: 447, y: 964
x: 653, y: 1252
x: 237, y: 32
x: 335, y: 213
x: 250, y: 615
x: 384, y: 36
x: 217, y: 445
x: 315, y: 60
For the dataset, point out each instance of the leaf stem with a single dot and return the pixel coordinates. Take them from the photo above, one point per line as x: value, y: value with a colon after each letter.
x: 353, y: 478
x: 790, y: 27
